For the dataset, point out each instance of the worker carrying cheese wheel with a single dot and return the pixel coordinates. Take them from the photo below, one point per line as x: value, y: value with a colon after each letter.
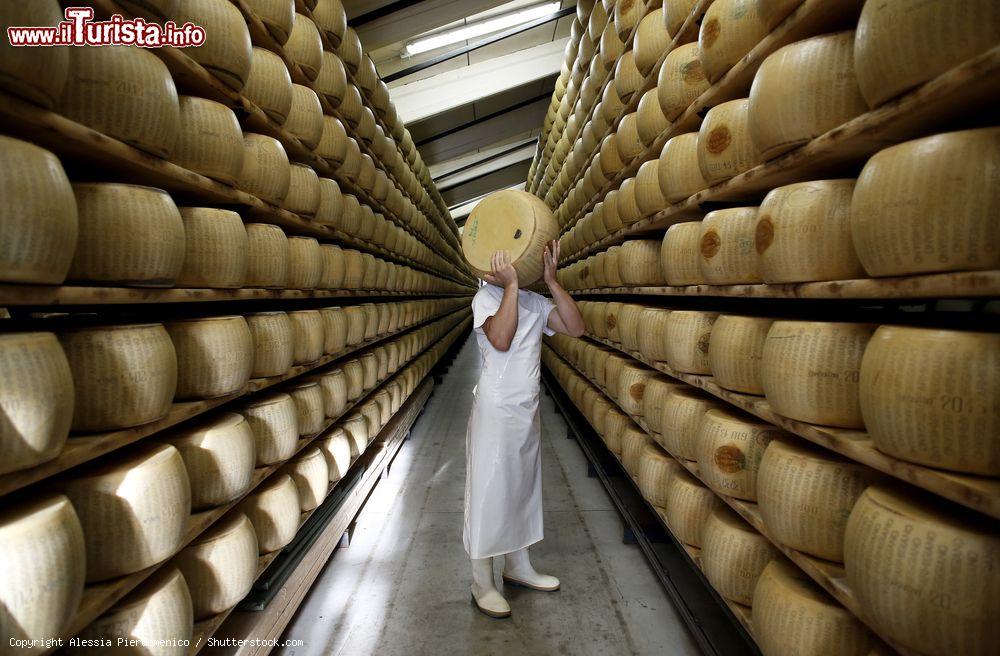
x: 503, y: 489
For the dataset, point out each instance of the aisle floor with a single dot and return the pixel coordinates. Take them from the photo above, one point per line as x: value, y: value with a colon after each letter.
x: 402, y: 587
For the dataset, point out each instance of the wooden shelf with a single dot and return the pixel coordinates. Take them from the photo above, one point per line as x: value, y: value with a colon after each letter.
x: 979, y: 493
x: 99, y: 597
x: 80, y: 449
x: 962, y: 284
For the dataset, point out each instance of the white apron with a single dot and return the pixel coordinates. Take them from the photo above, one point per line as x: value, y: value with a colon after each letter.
x: 503, y: 480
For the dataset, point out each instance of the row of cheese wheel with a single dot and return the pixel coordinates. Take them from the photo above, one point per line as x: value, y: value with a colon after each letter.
x: 114, y: 377
x: 800, y: 91
x: 810, y: 501
x: 884, y: 223
x: 97, y: 529
x: 119, y: 234
x: 60, y: 79
x: 924, y: 395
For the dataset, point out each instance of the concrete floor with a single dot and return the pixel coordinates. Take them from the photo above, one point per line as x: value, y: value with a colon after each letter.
x: 403, y: 585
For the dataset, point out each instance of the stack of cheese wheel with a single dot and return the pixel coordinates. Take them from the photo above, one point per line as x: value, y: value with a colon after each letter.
x: 219, y: 457
x: 688, y: 334
x: 273, y: 509
x: 792, y: 615
x: 38, y: 224
x: 680, y: 420
x: 273, y: 419
x: 273, y: 342
x: 729, y: 449
x: 37, y: 76
x: 922, y: 571
x: 269, y: 85
x: 42, y: 567
x: 726, y: 247
x: 903, y: 366
x: 126, y: 93
x: 215, y: 356
x: 810, y: 371
x: 735, y: 350
x: 680, y: 259
x: 902, y: 193
x: 806, y: 494
x: 157, y: 611
x: 129, y: 527
x: 128, y: 235
x: 803, y: 233
x: 311, y: 475
x: 220, y: 565
x: 689, y: 505
x: 730, y: 29
x: 123, y: 375
x: 733, y: 555
x: 211, y: 142
x: 267, y: 256
x: 226, y: 50
x: 513, y: 221
x: 36, y: 399
x: 724, y: 145
x: 215, y: 255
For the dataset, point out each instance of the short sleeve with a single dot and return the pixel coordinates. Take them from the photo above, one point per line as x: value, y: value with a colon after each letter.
x: 484, y: 305
x: 544, y: 307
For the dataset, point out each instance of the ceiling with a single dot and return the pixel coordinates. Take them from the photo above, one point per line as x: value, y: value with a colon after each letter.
x: 474, y: 107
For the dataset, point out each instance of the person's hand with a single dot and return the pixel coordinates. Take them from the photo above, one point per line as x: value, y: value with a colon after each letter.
x: 550, y: 260
x: 503, y: 272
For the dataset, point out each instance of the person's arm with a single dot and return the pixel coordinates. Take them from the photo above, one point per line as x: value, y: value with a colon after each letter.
x: 566, y: 317
x: 500, y: 327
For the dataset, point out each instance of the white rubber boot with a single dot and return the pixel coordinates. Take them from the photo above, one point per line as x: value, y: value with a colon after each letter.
x: 487, y: 598
x: 517, y: 570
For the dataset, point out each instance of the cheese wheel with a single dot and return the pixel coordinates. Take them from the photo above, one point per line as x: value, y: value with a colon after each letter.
x: 274, y: 421
x: 805, y: 495
x: 215, y: 356
x: 370, y: 411
x: 309, y: 404
x: 628, y: 206
x: 611, y: 49
x: 803, y: 233
x: 633, y: 441
x: 337, y: 450
x: 305, y: 263
x: 680, y: 173
x: 680, y: 259
x: 730, y: 30
x: 902, y: 193
x: 220, y: 565
x: 733, y: 555
x: 158, y: 615
x: 649, y: 198
x: 216, y: 249
x: 276, y: 15
x: 303, y: 191
x: 42, y: 568
x: 370, y: 313
x: 631, y: 387
x: 333, y: 383
x: 676, y: 12
x: 680, y: 420
x: 656, y: 468
x: 128, y: 235
x: 810, y: 371
x: 735, y: 350
x: 652, y: 334
x: 351, y: 108
x: 308, y: 336
x: 627, y: 139
x: 211, y: 142
x: 650, y: 40
x: 726, y: 247
x: 267, y: 256
x: 219, y: 457
x: 334, y: 329
x: 627, y: 15
x: 930, y: 396
x: 123, y: 92
x: 305, y: 116
x: 614, y: 425
x: 724, y: 145
x: 773, y: 12
x: 903, y: 43
x: 269, y: 85
x: 355, y: 325
x: 331, y: 18
x: 681, y: 80
x: 36, y: 399
x: 332, y: 145
x: 639, y: 263
x: 305, y: 47
x: 688, y: 507
x: 688, y: 333
x: 627, y: 78
x: 38, y: 224
x: 611, y: 320
x: 514, y: 221
x: 792, y: 616
x: 331, y: 83
x: 922, y: 572
x: 311, y: 476
x: 650, y: 121
x: 133, y: 508
x: 123, y: 375
x: 729, y: 449
x: 226, y: 51
x: 265, y: 168
x: 35, y: 74
x: 273, y: 509
x: 825, y: 93
x: 596, y: 23
x: 356, y: 427
x: 369, y: 368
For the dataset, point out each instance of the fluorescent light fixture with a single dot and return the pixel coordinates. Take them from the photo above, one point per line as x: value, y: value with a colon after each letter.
x: 479, y: 28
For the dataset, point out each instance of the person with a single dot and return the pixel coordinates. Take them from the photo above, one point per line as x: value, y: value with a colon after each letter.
x: 503, y: 485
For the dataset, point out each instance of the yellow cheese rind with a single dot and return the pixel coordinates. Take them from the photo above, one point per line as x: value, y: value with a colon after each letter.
x: 311, y: 476
x: 656, y: 469
x: 733, y: 555
x: 211, y: 142
x: 273, y: 509
x: 219, y: 458
x: 729, y: 449
x: 729, y: 30
x: 267, y: 256
x: 226, y: 52
x: 215, y: 255
x: 215, y: 356
x: 274, y: 421
x: 688, y: 334
x: 724, y: 145
x: 220, y: 565
x: 35, y: 74
x: 735, y: 350
x: 269, y: 85
x: 265, y: 172
x: 680, y: 421
x: 689, y: 505
x: 681, y: 80
x: 727, y: 247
